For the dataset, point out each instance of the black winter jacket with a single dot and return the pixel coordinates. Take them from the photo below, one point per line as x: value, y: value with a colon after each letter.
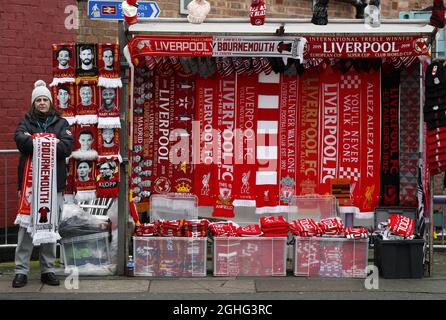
x: 24, y: 142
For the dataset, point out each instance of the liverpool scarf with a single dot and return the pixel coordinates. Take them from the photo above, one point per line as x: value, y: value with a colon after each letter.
x: 390, y: 169
x: 109, y: 73
x: 108, y: 142
x: 64, y: 101
x: 70, y: 185
x: 85, y: 142
x: 84, y: 180
x: 63, y: 63
x: 23, y: 215
x: 44, y: 208
x: 86, y: 63
x: 87, y: 107
x: 107, y: 177
x: 108, y: 112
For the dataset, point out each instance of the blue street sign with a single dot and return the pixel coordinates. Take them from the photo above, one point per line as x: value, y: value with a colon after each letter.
x: 112, y: 10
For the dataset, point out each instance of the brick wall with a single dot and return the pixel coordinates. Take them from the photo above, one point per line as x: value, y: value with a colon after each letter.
x: 28, y: 28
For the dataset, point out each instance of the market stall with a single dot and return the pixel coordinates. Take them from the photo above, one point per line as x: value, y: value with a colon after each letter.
x: 247, y: 117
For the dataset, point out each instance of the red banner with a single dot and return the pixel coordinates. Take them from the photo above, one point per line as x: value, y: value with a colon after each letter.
x: 364, y: 46
x: 180, y: 46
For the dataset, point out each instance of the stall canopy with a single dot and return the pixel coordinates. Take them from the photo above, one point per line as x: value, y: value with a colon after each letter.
x: 297, y: 39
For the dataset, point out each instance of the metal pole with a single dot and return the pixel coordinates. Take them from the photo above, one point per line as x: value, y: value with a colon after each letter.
x: 123, y: 201
x: 6, y: 201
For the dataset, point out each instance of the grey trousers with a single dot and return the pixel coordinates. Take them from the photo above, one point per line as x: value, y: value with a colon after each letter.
x: 47, y: 252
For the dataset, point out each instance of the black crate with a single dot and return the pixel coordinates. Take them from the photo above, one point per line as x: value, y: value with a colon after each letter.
x: 399, y: 259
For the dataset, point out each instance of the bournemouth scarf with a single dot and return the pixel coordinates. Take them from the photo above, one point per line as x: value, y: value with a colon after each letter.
x: 108, y: 142
x: 107, y: 177
x: 44, y: 208
x: 85, y: 142
x: 86, y: 63
x: 23, y: 215
x: 64, y: 101
x: 109, y: 72
x: 84, y: 180
x: 87, y: 107
x: 63, y: 63
x: 390, y: 169
x: 108, y: 112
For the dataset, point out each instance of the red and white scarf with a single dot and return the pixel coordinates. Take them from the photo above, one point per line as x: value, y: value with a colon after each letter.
x: 84, y: 148
x: 63, y: 63
x: 60, y: 91
x: 87, y: 113
x: 84, y: 180
x: 44, y: 208
x: 107, y: 177
x: 23, y: 218
x: 108, y: 142
x: 108, y: 111
x: 69, y: 185
x: 109, y: 75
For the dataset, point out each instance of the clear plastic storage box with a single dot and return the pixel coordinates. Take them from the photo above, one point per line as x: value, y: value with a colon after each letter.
x: 316, y: 207
x: 250, y: 256
x: 173, y: 206
x: 170, y: 256
x: 90, y: 249
x: 330, y: 257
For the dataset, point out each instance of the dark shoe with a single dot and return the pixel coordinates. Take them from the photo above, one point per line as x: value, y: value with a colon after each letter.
x: 49, y: 279
x: 20, y: 280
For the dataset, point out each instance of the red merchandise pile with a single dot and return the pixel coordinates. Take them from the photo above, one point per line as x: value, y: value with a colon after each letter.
x: 274, y: 226
x: 169, y: 228
x: 400, y: 225
x: 250, y: 230
x: 331, y: 227
x: 356, y: 233
x: 145, y: 230
x: 305, y: 228
x: 196, y: 228
x: 223, y: 229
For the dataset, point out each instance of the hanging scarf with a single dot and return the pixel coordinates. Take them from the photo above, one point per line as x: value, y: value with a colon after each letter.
x: 63, y: 64
x: 44, y: 208
x: 108, y: 142
x: 108, y: 112
x: 84, y: 180
x: 86, y: 112
x: 69, y: 185
x: 107, y: 177
x: 89, y: 70
x: 60, y: 93
x: 85, y: 142
x: 109, y: 75
x: 23, y: 215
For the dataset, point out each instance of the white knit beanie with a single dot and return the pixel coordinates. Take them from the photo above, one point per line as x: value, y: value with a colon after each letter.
x: 40, y: 89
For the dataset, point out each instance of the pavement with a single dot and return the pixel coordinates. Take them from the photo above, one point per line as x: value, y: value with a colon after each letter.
x: 227, y: 288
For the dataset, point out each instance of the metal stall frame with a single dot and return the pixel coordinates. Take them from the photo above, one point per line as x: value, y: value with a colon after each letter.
x: 242, y: 27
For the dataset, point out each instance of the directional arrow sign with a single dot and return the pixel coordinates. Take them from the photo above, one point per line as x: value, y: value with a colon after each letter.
x: 112, y: 10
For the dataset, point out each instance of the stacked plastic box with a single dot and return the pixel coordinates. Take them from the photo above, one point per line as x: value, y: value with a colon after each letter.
x: 325, y: 257
x: 92, y: 249
x: 250, y: 256
x: 171, y: 256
